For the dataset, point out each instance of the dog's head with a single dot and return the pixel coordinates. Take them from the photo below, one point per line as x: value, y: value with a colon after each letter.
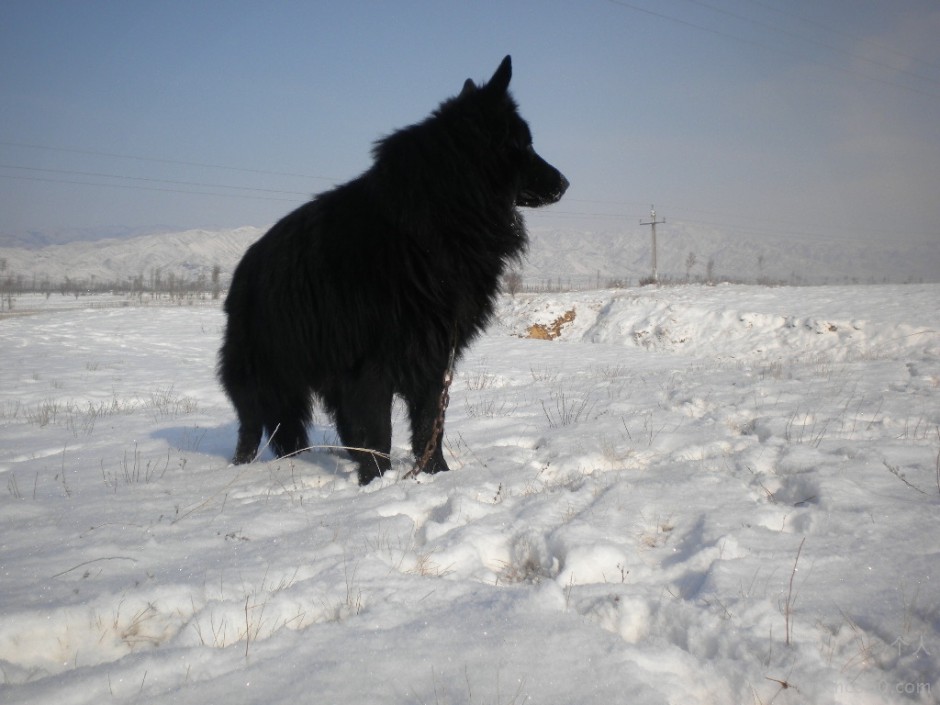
x: 537, y: 183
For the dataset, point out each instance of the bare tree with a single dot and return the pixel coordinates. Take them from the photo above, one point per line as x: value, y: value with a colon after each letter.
x: 512, y: 282
x: 216, y: 289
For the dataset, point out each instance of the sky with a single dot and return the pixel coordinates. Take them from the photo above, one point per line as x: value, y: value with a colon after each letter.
x: 772, y: 119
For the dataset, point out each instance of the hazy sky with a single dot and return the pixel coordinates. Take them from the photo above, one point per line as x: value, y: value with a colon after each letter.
x: 780, y: 118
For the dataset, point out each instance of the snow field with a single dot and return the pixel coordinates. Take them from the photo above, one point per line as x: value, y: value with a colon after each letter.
x: 692, y: 494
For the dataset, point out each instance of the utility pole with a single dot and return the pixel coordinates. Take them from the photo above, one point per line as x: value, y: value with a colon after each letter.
x: 653, y: 223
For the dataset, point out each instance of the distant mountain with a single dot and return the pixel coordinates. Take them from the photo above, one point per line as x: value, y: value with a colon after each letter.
x: 583, y: 259
x: 186, y: 255
x: 35, y: 239
x: 556, y: 258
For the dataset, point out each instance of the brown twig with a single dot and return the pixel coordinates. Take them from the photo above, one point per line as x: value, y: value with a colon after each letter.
x: 95, y: 560
x: 247, y: 628
x: 896, y: 471
x: 784, y: 685
x: 790, y: 591
x: 938, y: 464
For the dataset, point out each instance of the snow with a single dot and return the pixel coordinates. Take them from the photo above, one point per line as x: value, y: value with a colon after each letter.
x: 690, y: 495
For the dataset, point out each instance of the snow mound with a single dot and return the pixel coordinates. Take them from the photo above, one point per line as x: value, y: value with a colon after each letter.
x: 718, y: 322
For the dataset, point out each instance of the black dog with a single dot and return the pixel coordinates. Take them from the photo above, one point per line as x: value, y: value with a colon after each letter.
x: 364, y: 292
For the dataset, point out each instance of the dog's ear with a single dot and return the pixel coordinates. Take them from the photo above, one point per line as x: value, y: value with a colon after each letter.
x: 500, y: 81
x: 468, y: 87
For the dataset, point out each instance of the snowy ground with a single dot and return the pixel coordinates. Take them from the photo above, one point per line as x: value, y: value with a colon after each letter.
x: 691, y: 495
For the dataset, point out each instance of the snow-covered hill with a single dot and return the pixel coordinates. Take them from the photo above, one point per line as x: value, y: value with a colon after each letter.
x: 187, y: 254
x: 36, y: 239
x: 556, y: 259
x: 585, y: 258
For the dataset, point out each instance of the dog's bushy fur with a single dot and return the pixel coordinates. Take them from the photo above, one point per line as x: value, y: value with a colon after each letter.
x: 361, y: 293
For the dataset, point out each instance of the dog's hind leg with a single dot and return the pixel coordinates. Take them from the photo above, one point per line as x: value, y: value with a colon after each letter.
x: 363, y: 414
x: 249, y: 438
x: 250, y: 424
x: 285, y: 420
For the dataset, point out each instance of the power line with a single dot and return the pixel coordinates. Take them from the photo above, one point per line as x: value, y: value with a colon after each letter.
x: 765, y: 46
x: 795, y: 231
x: 843, y: 33
x: 709, y: 217
x: 149, y: 180
x: 796, y: 35
x: 144, y: 188
x: 157, y: 160
x: 622, y: 208
x: 781, y: 228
